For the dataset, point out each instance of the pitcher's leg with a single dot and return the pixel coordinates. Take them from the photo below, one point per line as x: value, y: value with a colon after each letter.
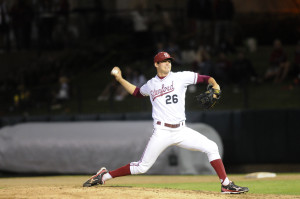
x: 159, y: 141
x: 157, y: 144
x: 193, y: 140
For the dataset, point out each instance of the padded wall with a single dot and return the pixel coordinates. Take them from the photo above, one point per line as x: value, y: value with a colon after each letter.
x: 84, y: 147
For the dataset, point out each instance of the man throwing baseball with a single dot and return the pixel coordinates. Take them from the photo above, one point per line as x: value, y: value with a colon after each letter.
x: 167, y: 94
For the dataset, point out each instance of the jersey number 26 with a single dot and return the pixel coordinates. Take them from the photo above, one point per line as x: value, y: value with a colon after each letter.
x: 170, y: 99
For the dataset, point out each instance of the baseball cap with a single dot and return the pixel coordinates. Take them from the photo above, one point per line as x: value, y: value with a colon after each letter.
x: 161, y: 56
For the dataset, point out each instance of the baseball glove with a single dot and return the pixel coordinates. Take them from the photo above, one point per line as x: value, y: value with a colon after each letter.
x: 207, y: 99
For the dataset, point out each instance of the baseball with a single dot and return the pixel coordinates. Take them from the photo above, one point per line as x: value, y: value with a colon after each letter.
x: 114, y: 72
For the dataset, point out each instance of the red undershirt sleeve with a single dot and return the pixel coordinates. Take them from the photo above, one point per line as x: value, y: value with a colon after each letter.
x: 202, y: 79
x: 137, y: 92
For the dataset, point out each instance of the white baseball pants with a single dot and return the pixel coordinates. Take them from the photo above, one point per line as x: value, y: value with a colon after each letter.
x: 163, y: 137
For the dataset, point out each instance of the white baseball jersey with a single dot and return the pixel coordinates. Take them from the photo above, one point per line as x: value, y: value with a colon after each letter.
x: 167, y: 95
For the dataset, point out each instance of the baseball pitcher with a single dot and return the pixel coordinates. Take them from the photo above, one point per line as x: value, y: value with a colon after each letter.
x: 167, y: 94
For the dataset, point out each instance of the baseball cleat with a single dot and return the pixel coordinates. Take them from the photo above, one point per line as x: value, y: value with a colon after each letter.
x: 96, y: 179
x: 231, y: 188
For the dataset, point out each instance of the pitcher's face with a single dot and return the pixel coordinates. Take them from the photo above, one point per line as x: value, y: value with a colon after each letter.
x: 164, y: 67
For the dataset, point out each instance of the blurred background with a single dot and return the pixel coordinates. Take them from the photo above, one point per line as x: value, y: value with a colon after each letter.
x: 56, y: 57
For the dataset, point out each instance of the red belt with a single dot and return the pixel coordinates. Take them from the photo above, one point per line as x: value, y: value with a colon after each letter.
x: 169, y: 125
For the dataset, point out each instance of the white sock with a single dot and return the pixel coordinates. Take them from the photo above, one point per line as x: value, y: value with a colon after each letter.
x: 226, y: 182
x: 106, y: 177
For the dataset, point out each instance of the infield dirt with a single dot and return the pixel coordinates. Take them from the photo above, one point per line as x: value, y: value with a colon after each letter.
x: 121, y: 188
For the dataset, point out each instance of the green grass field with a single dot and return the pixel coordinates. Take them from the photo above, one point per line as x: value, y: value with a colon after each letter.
x: 287, y: 184
x: 289, y: 187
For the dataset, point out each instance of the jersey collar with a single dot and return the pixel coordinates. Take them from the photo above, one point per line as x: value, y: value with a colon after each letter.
x: 163, y: 78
